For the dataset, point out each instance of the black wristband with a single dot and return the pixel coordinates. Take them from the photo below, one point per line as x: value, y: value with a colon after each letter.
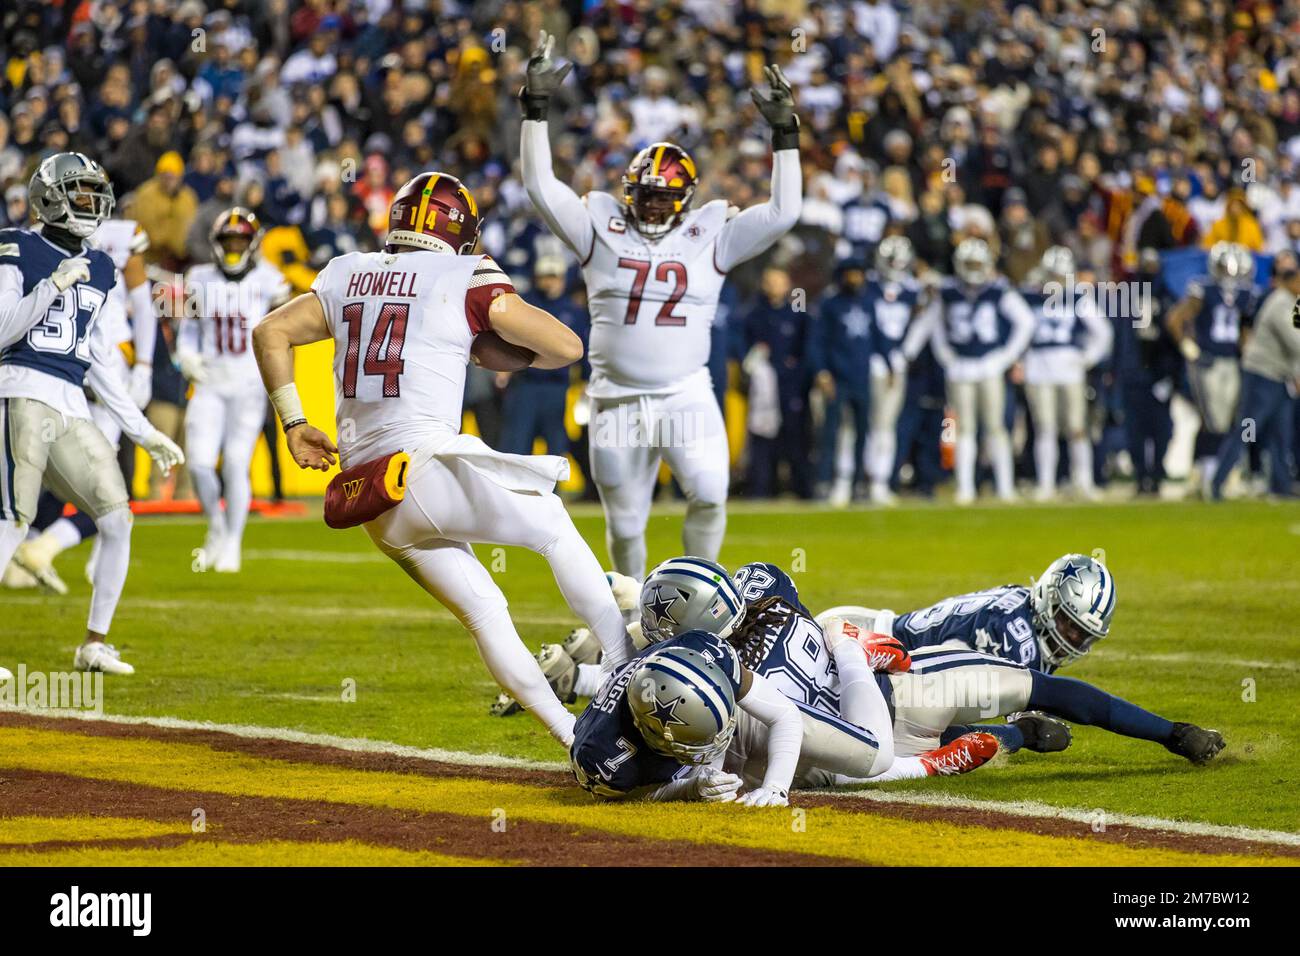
x: 785, y: 137
x: 535, y: 106
x: 294, y: 424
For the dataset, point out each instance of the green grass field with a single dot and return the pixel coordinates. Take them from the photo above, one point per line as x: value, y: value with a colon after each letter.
x: 1205, y: 631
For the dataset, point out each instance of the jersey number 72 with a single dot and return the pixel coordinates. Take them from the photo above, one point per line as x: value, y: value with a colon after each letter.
x: 387, y: 335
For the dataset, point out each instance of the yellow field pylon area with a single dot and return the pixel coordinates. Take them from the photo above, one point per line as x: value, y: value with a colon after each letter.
x: 329, y: 812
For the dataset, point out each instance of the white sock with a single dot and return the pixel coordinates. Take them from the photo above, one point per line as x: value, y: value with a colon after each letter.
x: 208, y: 487
x: 1003, y: 465
x: 862, y: 702
x: 704, y: 528
x: 628, y: 555
x: 588, y: 680
x: 1046, y: 456
x: 11, y: 536
x: 965, y: 454
x: 239, y: 495
x: 903, y: 768
x: 1081, y: 463
x: 581, y: 580
x: 516, y: 670
x: 110, y: 568
x: 65, y: 533
x: 882, y: 456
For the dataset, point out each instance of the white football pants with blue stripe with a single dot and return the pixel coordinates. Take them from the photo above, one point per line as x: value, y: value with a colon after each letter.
x: 832, y: 747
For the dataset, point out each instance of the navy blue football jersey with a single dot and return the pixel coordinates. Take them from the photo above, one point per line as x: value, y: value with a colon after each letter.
x: 1224, y: 312
x: 891, y: 305
x: 59, y: 344
x: 1057, y: 326
x: 609, y: 756
x: 998, y: 621
x: 975, y: 325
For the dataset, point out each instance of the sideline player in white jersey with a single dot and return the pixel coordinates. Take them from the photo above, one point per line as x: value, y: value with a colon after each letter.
x: 654, y: 270
x: 53, y: 292
x: 1070, y: 337
x: 224, y: 302
x: 404, y: 322
x: 131, y: 359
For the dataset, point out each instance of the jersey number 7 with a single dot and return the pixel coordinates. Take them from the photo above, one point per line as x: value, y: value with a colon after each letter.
x: 388, y: 335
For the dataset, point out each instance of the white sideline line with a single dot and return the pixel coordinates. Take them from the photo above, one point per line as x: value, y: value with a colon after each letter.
x: 1021, y: 808
x: 1045, y: 811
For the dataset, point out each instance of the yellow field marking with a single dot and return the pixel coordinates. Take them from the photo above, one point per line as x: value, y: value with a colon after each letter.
x: 270, y: 853
x: 824, y: 831
x: 24, y: 830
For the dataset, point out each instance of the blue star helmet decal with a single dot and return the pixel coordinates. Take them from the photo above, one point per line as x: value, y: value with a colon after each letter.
x: 661, y: 607
x: 665, y: 713
x: 1071, y: 571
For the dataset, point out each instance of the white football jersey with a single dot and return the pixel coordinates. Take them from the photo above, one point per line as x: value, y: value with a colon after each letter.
x: 220, y: 315
x: 121, y: 239
x: 403, y: 324
x: 652, y: 302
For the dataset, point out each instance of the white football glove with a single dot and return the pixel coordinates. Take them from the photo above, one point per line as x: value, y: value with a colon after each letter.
x: 141, y: 384
x: 765, y: 797
x: 70, y: 272
x: 716, y: 786
x: 165, y: 452
x: 626, y: 591
x: 1191, y: 351
x: 192, y: 366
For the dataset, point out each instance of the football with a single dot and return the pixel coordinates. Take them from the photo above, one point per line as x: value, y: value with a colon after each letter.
x: 492, y: 352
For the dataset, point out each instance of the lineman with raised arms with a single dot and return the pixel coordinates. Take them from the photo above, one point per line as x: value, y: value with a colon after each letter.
x: 654, y: 270
x: 53, y: 291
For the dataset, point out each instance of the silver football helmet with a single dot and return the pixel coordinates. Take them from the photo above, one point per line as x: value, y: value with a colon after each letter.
x: 1058, y: 263
x: 1231, y: 264
x: 1073, y: 603
x: 973, y: 261
x: 71, y: 191
x: 683, y: 703
x: 689, y: 594
x: 894, y: 258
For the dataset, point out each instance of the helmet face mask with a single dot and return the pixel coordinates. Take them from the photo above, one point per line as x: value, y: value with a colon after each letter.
x: 973, y: 262
x: 70, y: 191
x: 689, y: 594
x: 1073, y: 603
x: 658, y: 188
x: 1231, y: 264
x: 894, y: 258
x: 235, y: 238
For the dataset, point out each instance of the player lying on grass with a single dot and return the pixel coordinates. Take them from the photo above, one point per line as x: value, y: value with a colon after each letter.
x: 944, y: 687
x: 659, y: 728
x: 404, y: 324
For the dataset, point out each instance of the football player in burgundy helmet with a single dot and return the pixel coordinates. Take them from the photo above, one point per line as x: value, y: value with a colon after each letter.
x: 235, y: 237
x: 654, y: 268
x: 434, y: 211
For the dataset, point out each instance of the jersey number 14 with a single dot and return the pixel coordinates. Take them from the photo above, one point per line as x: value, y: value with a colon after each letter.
x: 383, y: 353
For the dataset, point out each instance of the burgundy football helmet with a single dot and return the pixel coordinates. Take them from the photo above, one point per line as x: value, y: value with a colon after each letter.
x: 235, y: 237
x: 658, y: 188
x: 434, y: 211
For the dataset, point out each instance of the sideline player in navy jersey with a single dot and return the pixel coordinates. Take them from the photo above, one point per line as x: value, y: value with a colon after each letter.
x: 53, y: 288
x: 1207, y: 326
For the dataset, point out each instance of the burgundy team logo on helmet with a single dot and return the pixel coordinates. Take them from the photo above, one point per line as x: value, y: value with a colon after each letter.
x: 434, y: 211
x: 658, y: 188
x: 235, y: 237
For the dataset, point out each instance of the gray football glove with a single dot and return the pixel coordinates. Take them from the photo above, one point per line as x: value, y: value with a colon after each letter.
x: 542, y: 79
x: 1195, y: 743
x: 778, y: 109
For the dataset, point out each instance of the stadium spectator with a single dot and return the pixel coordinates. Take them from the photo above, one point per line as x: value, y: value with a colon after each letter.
x: 165, y: 207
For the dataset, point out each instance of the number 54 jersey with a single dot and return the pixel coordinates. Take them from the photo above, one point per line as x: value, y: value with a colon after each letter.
x: 652, y: 303
x: 220, y: 315
x: 403, y: 325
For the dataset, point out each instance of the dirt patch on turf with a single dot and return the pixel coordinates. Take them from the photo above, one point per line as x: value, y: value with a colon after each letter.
x: 523, y: 842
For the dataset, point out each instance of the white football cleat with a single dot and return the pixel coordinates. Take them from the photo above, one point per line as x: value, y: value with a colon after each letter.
x: 16, y: 579
x: 207, y: 556
x: 98, y: 656
x: 627, y: 591
x: 229, y: 558
x: 36, y: 556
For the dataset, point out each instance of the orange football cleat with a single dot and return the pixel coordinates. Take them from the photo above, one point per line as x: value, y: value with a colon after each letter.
x: 886, y: 653
x: 968, y: 752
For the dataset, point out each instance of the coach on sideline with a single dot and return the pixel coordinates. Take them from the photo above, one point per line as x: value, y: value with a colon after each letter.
x: 1270, y: 370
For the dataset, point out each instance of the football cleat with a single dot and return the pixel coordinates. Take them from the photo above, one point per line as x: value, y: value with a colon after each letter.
x: 98, y: 656
x: 559, y: 670
x: 16, y: 579
x: 1043, y: 734
x: 207, y: 556
x: 1197, y: 744
x: 36, y: 557
x: 229, y: 559
x: 886, y: 653
x: 581, y: 645
x: 505, y: 706
x: 968, y: 752
x: 627, y: 591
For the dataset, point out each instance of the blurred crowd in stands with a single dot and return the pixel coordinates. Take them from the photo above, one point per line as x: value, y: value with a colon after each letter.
x: 1136, y: 135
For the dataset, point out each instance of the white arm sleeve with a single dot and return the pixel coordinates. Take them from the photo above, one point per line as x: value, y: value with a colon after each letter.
x: 144, y: 324
x: 565, y: 214
x: 110, y: 389
x: 18, y: 312
x: 1100, y: 335
x: 765, y: 703
x: 761, y: 225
